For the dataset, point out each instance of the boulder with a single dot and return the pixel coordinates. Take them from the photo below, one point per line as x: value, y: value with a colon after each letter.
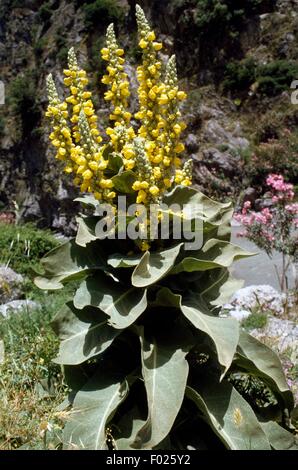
x: 263, y: 296
x: 11, y: 285
x: 223, y: 161
x: 17, y: 306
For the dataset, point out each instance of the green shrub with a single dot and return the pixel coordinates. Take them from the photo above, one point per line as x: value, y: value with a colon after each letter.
x: 222, y: 15
x: 22, y: 93
x: 102, y: 12
x: 22, y: 246
x: 239, y: 75
x: 255, y: 320
x: 276, y: 77
x: 270, y: 79
x: 45, y: 12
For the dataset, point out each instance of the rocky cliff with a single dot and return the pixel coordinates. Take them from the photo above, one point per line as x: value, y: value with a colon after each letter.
x: 237, y: 64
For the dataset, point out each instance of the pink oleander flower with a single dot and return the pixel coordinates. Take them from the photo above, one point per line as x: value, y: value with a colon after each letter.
x: 284, y: 189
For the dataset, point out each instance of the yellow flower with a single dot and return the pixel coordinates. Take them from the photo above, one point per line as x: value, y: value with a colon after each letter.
x: 163, y: 99
x: 179, y: 148
x: 181, y: 95
x: 143, y: 44
x: 142, y: 196
x: 151, y: 36
x: 106, y: 183
x: 87, y: 175
x: 157, y: 46
x: 128, y: 152
x: 154, y: 190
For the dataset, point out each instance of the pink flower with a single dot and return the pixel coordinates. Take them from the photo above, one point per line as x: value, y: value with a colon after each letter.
x: 292, y: 208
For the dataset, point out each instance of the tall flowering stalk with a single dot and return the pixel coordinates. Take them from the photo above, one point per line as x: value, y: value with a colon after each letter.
x: 274, y: 227
x: 150, y: 151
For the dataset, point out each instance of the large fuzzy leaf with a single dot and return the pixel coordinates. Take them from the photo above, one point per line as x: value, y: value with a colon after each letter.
x: 69, y: 262
x: 224, y: 332
x: 83, y: 334
x: 216, y: 215
x: 93, y: 407
x: 279, y: 438
x: 123, y: 304
x: 229, y: 415
x: 214, y: 254
x: 165, y: 371
x: 129, y: 426
x: 86, y: 230
x: 154, y: 266
x: 258, y: 359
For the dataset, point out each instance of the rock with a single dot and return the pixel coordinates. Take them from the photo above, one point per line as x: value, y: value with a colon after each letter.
x: 282, y: 335
x: 215, y: 133
x: 17, y: 306
x: 239, y: 314
x: 10, y: 285
x: 223, y: 161
x: 191, y: 143
x: 263, y: 296
x: 31, y: 209
x: 249, y: 194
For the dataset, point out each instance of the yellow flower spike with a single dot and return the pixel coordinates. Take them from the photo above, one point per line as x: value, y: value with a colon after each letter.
x: 152, y: 154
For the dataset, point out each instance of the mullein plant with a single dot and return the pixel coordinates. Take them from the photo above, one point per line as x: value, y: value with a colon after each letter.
x: 149, y: 362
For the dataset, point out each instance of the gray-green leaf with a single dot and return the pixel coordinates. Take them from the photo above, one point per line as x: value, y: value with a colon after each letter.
x: 257, y: 358
x: 165, y: 372
x: 93, y: 407
x: 279, y: 438
x: 69, y: 262
x: 83, y: 334
x: 229, y: 415
x: 122, y: 304
x: 214, y: 254
x: 223, y: 331
x: 154, y: 266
